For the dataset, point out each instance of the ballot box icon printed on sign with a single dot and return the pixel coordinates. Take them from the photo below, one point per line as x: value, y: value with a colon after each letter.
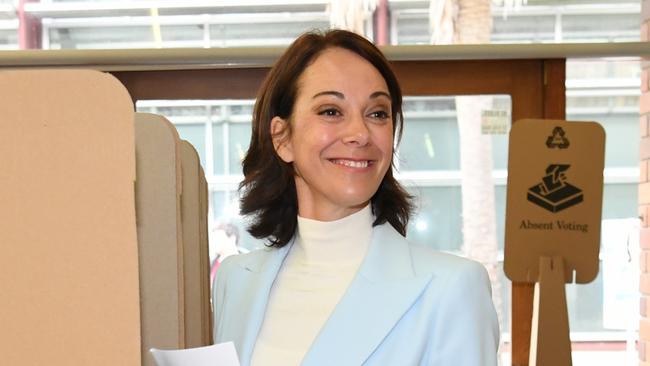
x: 554, y: 193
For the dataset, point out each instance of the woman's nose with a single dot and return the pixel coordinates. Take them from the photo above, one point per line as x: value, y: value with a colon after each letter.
x: 357, y: 132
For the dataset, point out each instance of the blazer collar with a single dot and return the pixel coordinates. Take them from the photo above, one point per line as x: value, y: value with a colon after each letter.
x: 258, y: 272
x: 384, y: 288
x: 382, y: 291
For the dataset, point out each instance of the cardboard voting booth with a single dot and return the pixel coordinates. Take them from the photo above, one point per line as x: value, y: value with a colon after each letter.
x: 160, y: 238
x: 553, y: 217
x: 103, y: 246
x: 171, y: 198
x: 206, y: 297
x: 195, y: 250
x: 68, y: 244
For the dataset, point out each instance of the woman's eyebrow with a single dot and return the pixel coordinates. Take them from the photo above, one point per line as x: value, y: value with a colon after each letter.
x: 378, y: 94
x: 340, y: 95
x: 329, y: 92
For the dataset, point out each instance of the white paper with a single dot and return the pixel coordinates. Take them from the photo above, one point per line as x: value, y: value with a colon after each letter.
x: 222, y: 354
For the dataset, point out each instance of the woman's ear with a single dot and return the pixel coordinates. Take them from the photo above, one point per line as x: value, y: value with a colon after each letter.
x: 281, y: 139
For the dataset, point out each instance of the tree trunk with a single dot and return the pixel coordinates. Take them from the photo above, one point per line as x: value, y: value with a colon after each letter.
x: 470, y: 22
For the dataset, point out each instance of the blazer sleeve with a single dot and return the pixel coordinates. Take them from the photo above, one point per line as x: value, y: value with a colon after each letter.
x: 466, y: 329
x: 218, y: 298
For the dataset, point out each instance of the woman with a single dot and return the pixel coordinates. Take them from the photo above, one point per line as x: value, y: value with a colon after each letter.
x: 339, y: 284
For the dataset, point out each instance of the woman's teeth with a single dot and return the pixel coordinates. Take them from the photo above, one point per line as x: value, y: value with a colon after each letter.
x: 351, y: 163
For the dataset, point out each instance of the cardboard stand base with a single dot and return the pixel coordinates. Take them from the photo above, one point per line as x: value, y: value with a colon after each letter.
x: 549, y: 341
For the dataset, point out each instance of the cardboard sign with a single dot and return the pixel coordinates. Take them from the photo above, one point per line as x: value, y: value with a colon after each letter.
x: 554, y: 197
x: 68, y: 245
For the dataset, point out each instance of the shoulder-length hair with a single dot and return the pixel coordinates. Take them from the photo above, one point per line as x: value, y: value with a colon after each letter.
x: 268, y: 191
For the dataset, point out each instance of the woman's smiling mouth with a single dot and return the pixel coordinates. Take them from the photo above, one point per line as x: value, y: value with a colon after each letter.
x: 352, y: 163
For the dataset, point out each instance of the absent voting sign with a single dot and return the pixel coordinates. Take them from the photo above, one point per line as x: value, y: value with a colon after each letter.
x: 554, y: 198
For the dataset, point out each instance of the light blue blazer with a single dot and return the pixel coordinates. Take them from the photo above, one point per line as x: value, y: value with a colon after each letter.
x: 408, y: 305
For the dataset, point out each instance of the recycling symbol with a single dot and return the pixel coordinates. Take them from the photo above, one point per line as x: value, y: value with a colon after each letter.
x: 557, y: 139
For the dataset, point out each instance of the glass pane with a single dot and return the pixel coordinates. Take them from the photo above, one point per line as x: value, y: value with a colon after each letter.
x: 534, y: 21
x: 622, y: 130
x: 500, y: 206
x: 195, y: 135
x: 239, y: 140
x: 585, y: 305
x: 121, y: 35
x: 218, y: 148
x: 620, y: 201
x: 523, y: 28
x: 175, y: 33
x: 412, y: 29
x: 601, y: 27
x: 8, y: 38
x: 265, y: 32
x: 89, y: 37
x: 625, y: 72
x: 226, y: 213
x: 437, y: 223
x: 429, y: 144
x: 431, y: 140
x: 219, y: 205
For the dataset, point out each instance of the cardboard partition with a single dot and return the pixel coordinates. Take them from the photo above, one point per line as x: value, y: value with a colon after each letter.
x: 206, y: 290
x: 158, y: 203
x: 68, y: 250
x: 193, y: 257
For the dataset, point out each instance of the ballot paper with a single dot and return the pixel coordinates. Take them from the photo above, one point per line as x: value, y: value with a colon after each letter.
x: 222, y: 354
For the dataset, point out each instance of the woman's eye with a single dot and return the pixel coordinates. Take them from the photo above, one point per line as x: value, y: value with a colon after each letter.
x: 379, y: 115
x: 329, y: 112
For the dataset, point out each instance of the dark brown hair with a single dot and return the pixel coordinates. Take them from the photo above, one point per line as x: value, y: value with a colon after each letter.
x: 268, y: 191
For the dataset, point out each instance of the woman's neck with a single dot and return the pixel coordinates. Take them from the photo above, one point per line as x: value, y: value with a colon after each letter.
x: 324, y: 241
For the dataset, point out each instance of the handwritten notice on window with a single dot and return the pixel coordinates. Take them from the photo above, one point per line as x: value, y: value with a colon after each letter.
x: 495, y: 122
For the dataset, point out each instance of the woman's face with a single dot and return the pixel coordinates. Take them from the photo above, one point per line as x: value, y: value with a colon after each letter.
x: 341, y: 140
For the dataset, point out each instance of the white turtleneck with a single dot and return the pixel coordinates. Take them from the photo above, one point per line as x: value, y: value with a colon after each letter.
x: 311, y: 281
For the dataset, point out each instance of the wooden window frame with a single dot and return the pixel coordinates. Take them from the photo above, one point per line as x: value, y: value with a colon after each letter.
x: 536, y: 88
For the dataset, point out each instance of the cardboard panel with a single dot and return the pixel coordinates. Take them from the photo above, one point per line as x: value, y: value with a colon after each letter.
x: 192, y: 261
x: 206, y: 291
x: 554, y: 198
x: 158, y: 191
x: 68, y: 249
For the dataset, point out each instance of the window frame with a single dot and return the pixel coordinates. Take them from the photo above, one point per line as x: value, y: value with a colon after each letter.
x: 536, y: 87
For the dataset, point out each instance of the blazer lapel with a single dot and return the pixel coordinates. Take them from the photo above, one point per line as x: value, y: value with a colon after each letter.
x: 255, y: 276
x: 382, y: 291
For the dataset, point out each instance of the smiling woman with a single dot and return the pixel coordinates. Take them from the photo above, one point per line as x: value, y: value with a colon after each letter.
x: 282, y: 106
x: 339, y: 284
x: 341, y: 142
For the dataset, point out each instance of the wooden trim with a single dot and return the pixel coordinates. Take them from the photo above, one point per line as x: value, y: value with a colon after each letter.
x: 554, y: 89
x: 245, y: 57
x: 218, y: 83
x: 553, y: 104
